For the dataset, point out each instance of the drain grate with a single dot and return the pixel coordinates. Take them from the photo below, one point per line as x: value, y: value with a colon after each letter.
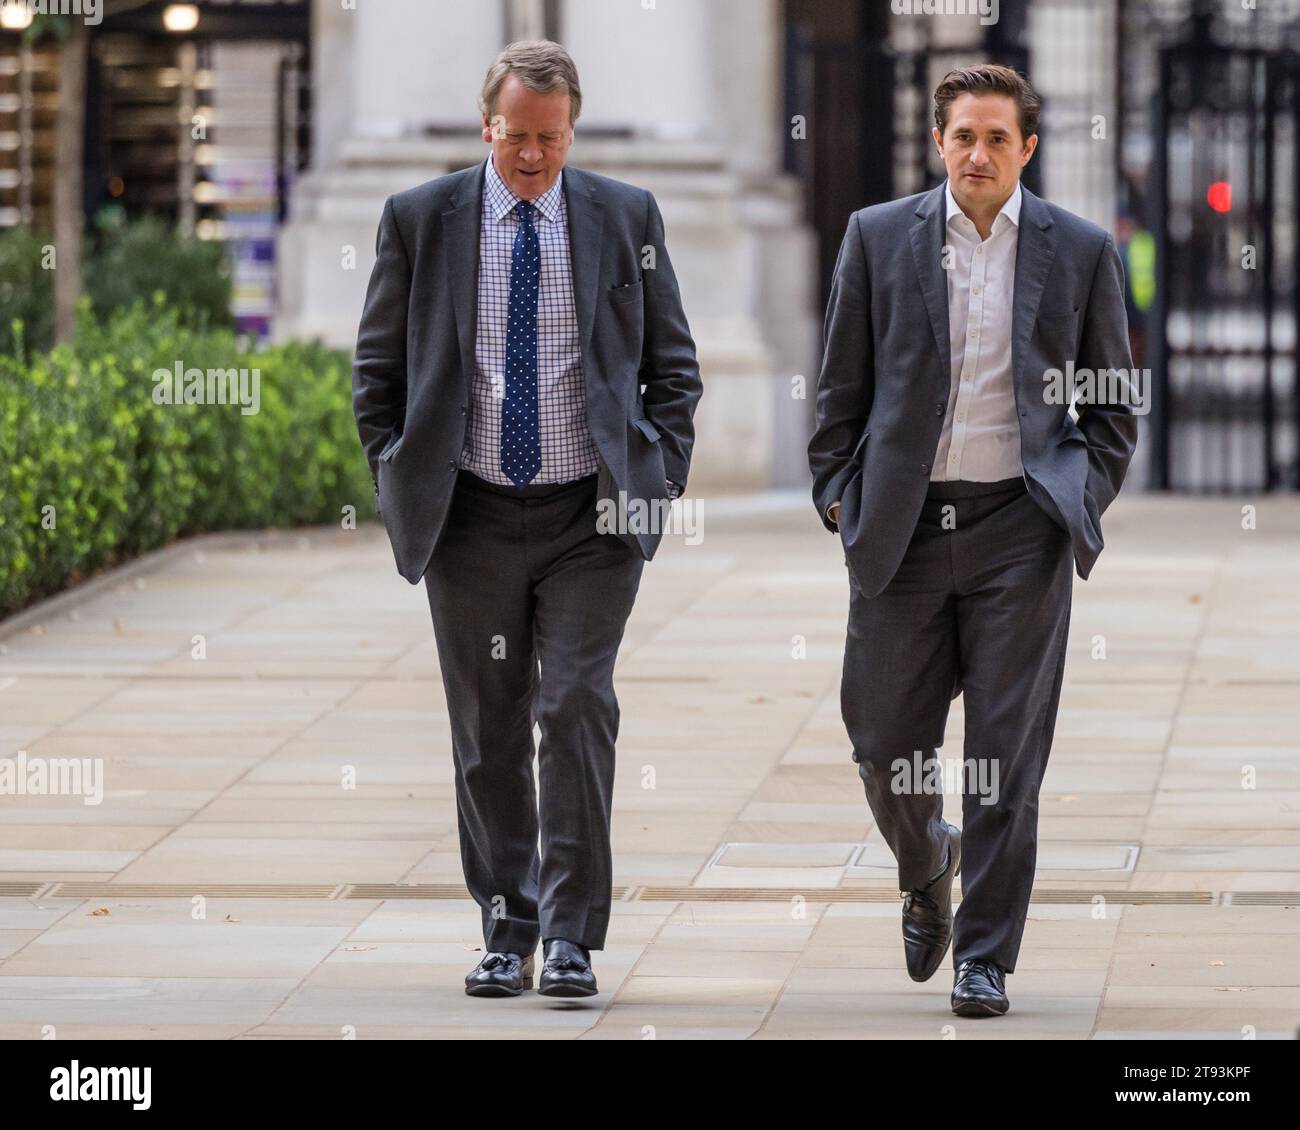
x: 451, y: 892
x: 1128, y: 898
x: 766, y: 894
x: 1262, y: 898
x: 873, y: 894
x: 441, y: 891
x: 405, y: 891
x: 189, y: 890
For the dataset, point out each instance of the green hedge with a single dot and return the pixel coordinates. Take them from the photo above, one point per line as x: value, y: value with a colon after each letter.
x: 80, y: 432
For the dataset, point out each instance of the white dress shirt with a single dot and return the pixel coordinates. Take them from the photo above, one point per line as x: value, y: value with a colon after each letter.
x: 567, y: 448
x: 980, y: 441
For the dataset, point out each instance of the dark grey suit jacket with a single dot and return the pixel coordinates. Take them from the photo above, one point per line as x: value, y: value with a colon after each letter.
x: 414, y: 363
x: 886, y: 372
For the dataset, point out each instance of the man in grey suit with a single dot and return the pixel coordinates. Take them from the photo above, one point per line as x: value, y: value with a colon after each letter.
x: 514, y: 313
x: 961, y: 487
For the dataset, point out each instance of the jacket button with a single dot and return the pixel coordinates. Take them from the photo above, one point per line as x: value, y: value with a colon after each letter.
x: 925, y: 468
x: 938, y: 409
x: 462, y: 409
x: 452, y: 464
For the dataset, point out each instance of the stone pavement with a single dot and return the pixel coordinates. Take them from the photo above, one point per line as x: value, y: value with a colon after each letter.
x: 275, y: 852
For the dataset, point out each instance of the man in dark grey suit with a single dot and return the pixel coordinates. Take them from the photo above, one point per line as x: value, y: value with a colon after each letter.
x: 514, y: 313
x: 961, y: 487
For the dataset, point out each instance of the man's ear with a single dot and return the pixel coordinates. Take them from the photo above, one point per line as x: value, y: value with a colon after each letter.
x: 938, y: 138
x: 1030, y: 145
x: 487, y: 131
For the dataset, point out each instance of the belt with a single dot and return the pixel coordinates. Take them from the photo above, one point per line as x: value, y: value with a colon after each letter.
x: 960, y: 488
x: 532, y: 490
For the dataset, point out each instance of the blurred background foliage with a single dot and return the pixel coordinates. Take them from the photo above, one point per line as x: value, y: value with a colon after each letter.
x: 122, y: 263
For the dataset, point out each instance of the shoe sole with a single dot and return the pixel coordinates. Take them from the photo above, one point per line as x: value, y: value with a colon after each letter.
x: 496, y: 990
x: 977, y: 1010
x: 566, y: 991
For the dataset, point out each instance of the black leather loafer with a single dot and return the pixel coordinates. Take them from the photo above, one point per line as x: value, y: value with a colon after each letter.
x: 927, y: 917
x: 979, y: 989
x: 566, y: 972
x: 500, y: 975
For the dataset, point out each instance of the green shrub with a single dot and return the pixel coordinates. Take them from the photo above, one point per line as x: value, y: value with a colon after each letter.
x: 86, y: 451
x: 123, y: 263
x: 26, y: 290
x: 133, y: 261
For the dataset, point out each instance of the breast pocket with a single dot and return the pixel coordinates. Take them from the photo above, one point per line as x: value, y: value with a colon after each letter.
x: 629, y: 292
x: 1066, y: 318
x: 1057, y: 333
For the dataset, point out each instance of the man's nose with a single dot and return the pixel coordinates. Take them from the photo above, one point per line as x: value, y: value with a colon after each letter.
x: 980, y: 155
x: 530, y: 153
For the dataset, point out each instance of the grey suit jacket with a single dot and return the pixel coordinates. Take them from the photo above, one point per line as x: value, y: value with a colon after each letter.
x: 886, y: 371
x: 414, y: 362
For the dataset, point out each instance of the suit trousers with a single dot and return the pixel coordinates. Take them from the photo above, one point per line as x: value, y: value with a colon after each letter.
x: 529, y: 602
x: 980, y: 606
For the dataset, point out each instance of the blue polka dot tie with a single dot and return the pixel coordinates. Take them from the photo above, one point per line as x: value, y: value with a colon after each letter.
x: 521, y: 445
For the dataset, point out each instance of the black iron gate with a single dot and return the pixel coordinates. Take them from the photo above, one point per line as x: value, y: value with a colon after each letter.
x: 861, y: 82
x: 1226, y: 406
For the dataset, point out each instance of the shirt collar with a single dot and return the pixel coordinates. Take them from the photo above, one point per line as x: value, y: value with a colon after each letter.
x: 501, y: 201
x: 1011, y: 209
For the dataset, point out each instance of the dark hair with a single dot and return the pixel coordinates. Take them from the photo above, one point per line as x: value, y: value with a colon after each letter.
x: 988, y: 78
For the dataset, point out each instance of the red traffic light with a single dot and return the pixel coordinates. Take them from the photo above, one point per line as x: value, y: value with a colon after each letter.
x: 1219, y: 196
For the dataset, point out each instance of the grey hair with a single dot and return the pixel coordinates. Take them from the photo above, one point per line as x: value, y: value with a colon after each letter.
x: 542, y: 66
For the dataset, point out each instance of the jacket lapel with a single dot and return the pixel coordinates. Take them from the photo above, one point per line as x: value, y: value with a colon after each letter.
x: 1035, y: 252
x: 927, y: 254
x: 460, y: 227
x: 586, y: 223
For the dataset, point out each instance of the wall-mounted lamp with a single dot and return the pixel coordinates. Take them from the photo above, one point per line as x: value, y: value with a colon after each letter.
x: 181, y: 17
x: 15, y: 16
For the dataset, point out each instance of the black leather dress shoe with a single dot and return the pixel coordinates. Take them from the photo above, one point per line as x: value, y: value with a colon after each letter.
x: 500, y: 975
x: 927, y: 917
x: 566, y: 972
x: 979, y: 989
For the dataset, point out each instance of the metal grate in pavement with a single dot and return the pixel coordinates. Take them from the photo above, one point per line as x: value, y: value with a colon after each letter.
x: 875, y: 894
x: 73, y: 890
x: 446, y: 892
x: 425, y: 891
x: 1262, y: 898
